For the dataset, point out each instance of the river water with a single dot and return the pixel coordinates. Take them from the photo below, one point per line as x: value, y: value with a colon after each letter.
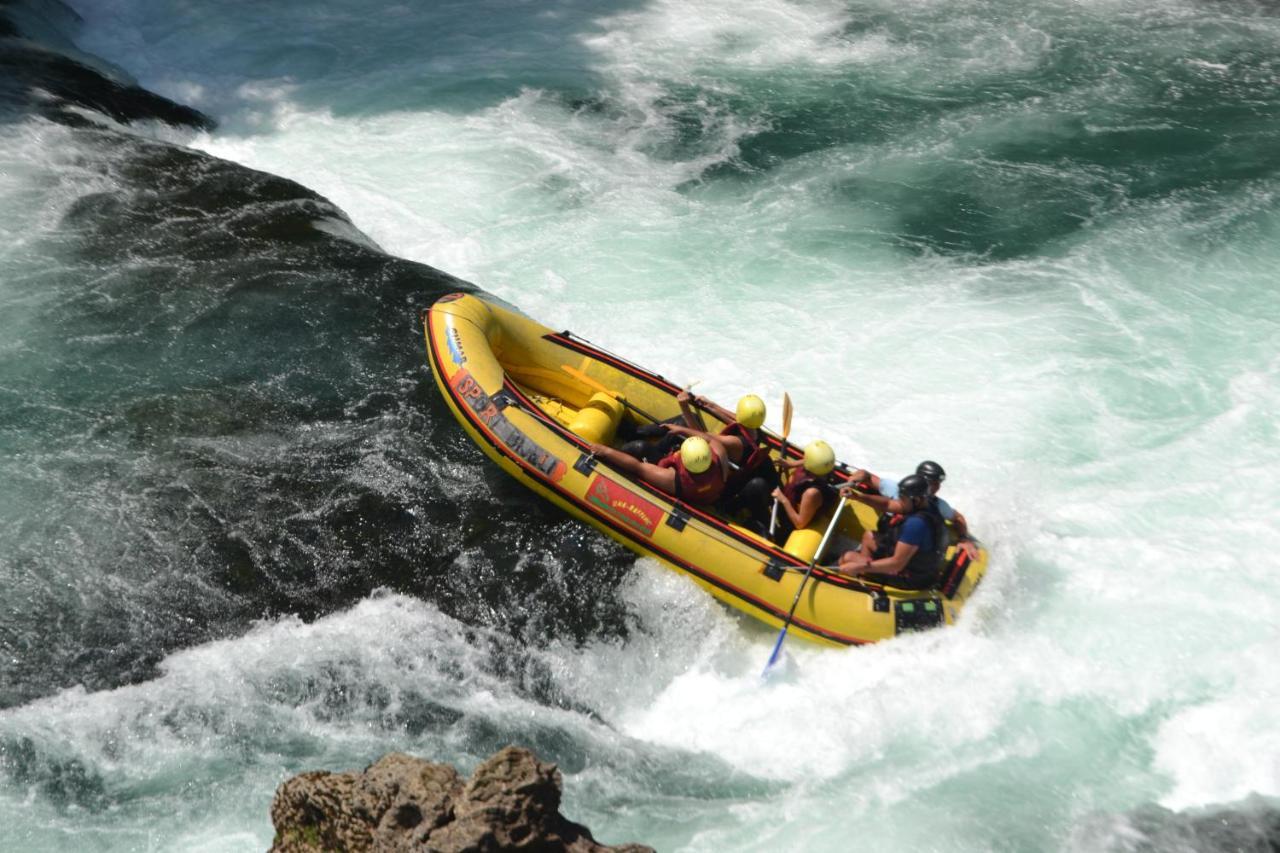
x: 241, y: 537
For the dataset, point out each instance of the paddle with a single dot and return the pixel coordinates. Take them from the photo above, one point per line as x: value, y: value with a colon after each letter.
x: 782, y: 454
x: 697, y: 413
x: 782, y: 635
x: 600, y: 386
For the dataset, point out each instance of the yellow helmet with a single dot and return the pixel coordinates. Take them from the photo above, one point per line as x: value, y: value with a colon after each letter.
x: 695, y: 453
x: 819, y: 458
x: 751, y: 411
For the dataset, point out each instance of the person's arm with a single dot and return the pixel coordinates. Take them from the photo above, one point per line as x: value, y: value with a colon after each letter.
x: 662, y: 478
x: 715, y: 409
x: 686, y: 411
x: 894, y: 563
x: 803, y: 515
x: 691, y: 417
x: 875, y: 500
x: 810, y: 505
x: 861, y: 563
x: 961, y: 528
x: 722, y: 450
x: 909, y: 542
x: 785, y: 502
x: 731, y: 444
x: 862, y: 475
x: 677, y: 429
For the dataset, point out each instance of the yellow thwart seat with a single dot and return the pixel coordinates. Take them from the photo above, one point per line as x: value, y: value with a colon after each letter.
x: 598, y: 420
x: 803, y: 543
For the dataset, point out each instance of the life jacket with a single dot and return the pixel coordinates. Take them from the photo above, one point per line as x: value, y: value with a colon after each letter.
x: 754, y: 454
x: 703, y: 489
x: 802, y: 481
x: 924, y: 566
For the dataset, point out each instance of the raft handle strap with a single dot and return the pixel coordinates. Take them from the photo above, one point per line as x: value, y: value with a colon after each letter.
x: 953, y: 573
x: 678, y: 517
x: 586, y: 464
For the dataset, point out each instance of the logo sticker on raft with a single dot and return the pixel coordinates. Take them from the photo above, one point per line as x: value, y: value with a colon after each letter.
x: 470, y: 392
x: 456, y: 354
x: 624, y: 505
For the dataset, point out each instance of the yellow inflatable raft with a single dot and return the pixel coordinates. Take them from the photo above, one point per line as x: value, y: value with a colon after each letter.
x: 533, y: 399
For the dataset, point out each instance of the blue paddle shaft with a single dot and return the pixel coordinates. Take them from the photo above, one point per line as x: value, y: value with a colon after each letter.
x: 782, y: 635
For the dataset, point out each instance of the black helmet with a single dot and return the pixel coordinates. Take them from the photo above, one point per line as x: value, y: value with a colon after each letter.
x: 913, y: 486
x: 931, y: 471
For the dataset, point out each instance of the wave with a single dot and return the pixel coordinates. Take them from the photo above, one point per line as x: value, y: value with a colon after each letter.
x: 218, y: 410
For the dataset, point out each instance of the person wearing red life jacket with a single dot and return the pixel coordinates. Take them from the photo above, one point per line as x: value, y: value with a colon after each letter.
x: 754, y: 476
x: 695, y: 474
x: 741, y: 433
x: 808, y: 491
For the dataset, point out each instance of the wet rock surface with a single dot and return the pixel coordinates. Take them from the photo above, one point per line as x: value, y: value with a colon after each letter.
x: 511, y: 802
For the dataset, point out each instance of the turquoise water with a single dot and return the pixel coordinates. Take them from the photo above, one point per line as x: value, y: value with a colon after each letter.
x: 1035, y: 242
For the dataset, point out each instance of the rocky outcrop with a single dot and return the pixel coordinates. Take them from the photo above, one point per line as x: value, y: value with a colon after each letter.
x: 511, y: 802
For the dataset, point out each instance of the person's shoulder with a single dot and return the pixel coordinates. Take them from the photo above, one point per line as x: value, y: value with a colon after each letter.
x: 945, y: 509
x: 815, y: 485
x: 915, y: 521
x: 914, y: 529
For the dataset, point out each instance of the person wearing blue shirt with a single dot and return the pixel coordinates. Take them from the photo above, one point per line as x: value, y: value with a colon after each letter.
x: 886, y: 498
x: 905, y: 552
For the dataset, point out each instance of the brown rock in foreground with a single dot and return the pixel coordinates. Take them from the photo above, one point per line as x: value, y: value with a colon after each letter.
x: 512, y: 802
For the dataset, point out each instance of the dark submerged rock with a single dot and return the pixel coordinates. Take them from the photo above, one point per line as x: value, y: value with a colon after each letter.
x: 42, y: 71
x: 511, y: 802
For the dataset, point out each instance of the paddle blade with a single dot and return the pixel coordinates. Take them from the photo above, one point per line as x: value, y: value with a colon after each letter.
x: 786, y: 414
x: 776, y: 654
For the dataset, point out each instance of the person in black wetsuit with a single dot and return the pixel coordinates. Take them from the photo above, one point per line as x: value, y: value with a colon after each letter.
x: 906, y: 549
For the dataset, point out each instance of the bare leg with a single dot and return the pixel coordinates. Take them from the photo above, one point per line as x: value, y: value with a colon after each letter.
x: 661, y: 478
x: 869, y: 542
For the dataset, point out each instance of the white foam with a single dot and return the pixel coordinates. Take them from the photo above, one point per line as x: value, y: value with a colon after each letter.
x: 759, y: 34
x: 1225, y: 747
x: 241, y: 713
x: 44, y: 169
